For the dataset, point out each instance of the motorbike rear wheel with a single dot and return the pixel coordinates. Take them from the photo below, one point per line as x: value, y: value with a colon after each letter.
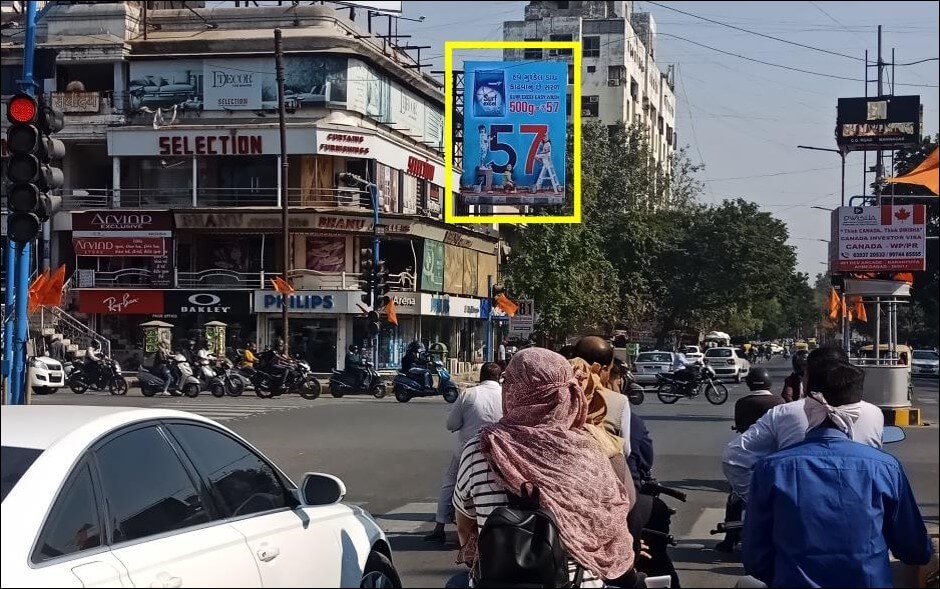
x: 451, y: 393
x: 77, y: 384
x: 636, y: 397
x: 217, y: 389
x: 191, y: 390
x: 667, y: 393
x: 336, y: 391
x: 148, y: 391
x: 402, y: 396
x: 716, y: 393
x: 234, y: 386
x: 310, y: 388
x: 378, y: 391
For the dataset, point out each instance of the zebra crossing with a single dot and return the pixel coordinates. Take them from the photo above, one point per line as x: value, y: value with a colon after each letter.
x: 220, y: 410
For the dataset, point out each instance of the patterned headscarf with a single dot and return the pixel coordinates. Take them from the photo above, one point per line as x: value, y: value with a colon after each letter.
x: 588, y: 377
x: 541, y: 440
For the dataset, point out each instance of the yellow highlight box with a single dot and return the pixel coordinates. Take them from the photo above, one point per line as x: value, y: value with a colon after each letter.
x: 449, y: 48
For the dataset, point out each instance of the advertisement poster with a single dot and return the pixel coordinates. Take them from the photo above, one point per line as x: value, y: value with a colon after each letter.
x: 515, y: 131
x: 432, y: 270
x: 885, y: 238
x: 469, y: 272
x: 121, y: 247
x: 233, y: 84
x: 453, y: 269
x: 886, y: 122
x: 326, y: 254
x: 486, y: 267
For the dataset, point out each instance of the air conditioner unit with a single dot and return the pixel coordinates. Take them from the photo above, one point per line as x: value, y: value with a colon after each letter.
x: 614, y: 82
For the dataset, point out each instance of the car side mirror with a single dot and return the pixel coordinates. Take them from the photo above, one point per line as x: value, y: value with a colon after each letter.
x: 891, y: 434
x: 320, y: 488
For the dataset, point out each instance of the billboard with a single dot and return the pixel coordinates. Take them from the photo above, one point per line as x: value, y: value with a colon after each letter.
x: 515, y: 132
x: 885, y: 238
x: 884, y: 122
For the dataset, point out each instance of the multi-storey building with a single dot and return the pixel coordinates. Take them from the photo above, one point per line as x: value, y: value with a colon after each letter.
x: 173, y: 177
x: 620, y: 79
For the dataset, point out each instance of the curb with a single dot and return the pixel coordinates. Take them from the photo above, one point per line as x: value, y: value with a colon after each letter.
x: 902, y: 416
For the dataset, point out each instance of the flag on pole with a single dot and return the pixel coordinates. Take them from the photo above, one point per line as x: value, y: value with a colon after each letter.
x: 51, y: 293
x: 506, y: 305
x: 858, y: 309
x: 36, y: 290
x: 390, y: 312
x: 282, y: 286
x: 835, y: 304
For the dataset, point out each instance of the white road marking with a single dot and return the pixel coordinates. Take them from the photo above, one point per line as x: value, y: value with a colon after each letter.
x: 699, y: 536
x: 410, y: 518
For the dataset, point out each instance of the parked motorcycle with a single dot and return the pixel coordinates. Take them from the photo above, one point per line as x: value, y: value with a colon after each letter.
x: 184, y: 381
x: 406, y: 387
x: 690, y: 383
x: 342, y: 382
x: 109, y: 377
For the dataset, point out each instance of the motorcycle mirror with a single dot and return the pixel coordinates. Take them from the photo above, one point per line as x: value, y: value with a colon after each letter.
x: 891, y: 434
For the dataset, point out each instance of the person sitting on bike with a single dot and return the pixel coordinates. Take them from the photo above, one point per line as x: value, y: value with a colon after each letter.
x: 162, y: 361
x: 354, y: 366
x: 415, y: 364
x: 280, y: 363
x: 249, y: 358
x: 747, y: 411
x: 793, y: 384
x: 93, y: 363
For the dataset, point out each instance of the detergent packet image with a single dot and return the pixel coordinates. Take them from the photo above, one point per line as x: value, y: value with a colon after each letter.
x: 489, y: 93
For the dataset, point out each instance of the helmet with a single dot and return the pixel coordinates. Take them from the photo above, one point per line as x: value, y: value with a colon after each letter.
x: 95, y: 344
x: 758, y: 379
x: 353, y: 349
x: 250, y: 346
x: 799, y: 362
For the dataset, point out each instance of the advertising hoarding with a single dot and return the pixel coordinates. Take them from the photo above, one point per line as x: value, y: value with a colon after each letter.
x: 432, y: 269
x: 523, y: 322
x: 885, y: 122
x: 875, y: 239
x: 515, y: 129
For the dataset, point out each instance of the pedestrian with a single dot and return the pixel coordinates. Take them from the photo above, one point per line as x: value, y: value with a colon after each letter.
x: 793, y: 384
x: 475, y: 408
x: 57, y: 348
x: 747, y: 410
x: 597, y: 350
x: 540, y: 442
x: 501, y: 354
x: 825, y: 512
x: 786, y: 424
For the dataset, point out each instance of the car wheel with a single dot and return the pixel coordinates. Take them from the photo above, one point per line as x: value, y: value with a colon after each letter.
x: 379, y: 572
x: 40, y: 391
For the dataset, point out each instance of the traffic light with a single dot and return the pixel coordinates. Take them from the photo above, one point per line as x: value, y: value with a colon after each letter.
x: 381, y: 281
x: 28, y: 171
x: 365, y: 270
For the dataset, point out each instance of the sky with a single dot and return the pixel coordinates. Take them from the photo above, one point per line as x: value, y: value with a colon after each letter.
x: 742, y: 119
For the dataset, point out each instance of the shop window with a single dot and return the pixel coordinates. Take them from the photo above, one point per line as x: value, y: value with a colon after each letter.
x: 314, y: 339
x: 591, y: 46
x: 591, y: 69
x: 590, y: 106
x: 634, y: 88
x: 560, y: 52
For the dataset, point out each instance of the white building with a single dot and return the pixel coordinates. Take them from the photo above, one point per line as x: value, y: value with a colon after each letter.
x: 621, y: 80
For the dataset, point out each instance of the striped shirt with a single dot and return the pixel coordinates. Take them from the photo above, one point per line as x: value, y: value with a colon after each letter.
x: 477, y: 495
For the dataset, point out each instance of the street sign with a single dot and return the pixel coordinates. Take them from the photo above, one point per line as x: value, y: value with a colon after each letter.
x: 879, y: 239
x: 522, y: 324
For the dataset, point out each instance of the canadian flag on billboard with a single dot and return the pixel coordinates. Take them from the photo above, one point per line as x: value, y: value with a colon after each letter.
x: 889, y: 238
x: 903, y: 214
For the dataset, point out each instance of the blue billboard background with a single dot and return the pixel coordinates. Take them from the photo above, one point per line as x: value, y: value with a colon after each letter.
x: 515, y: 127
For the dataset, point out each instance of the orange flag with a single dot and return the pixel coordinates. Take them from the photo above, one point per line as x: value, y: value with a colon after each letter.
x: 390, y: 312
x: 51, y: 293
x: 282, y: 286
x: 835, y: 304
x: 858, y: 309
x: 504, y: 303
x: 36, y: 290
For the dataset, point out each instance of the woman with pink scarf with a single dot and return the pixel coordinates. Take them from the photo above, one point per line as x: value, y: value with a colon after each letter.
x: 541, y: 440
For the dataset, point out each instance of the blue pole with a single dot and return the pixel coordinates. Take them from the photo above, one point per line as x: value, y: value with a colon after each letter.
x: 374, y: 193
x: 20, y: 267
x: 8, y: 307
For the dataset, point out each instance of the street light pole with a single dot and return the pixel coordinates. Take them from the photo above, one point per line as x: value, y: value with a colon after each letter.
x: 842, y: 155
x: 285, y: 209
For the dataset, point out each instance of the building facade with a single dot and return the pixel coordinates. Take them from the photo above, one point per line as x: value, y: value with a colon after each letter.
x: 173, y: 176
x: 620, y: 79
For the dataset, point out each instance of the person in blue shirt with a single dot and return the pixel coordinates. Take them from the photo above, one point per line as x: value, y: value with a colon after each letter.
x: 825, y: 512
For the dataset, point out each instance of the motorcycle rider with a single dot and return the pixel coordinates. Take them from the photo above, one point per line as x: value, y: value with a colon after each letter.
x: 747, y: 411
x: 415, y: 362
x: 280, y: 364
x: 354, y: 366
x: 793, y: 385
x: 93, y: 366
x: 249, y: 358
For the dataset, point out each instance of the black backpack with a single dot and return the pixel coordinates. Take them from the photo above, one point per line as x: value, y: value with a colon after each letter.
x: 519, y: 546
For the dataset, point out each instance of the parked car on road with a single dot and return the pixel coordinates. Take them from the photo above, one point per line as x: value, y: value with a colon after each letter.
x: 46, y: 375
x: 649, y: 364
x: 693, y: 353
x: 925, y: 363
x: 107, y: 497
x: 727, y: 362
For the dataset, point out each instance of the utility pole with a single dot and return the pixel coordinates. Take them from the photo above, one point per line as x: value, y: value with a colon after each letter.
x: 879, y: 174
x: 285, y: 208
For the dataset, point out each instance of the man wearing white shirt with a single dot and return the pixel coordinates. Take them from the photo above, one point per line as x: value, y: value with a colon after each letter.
x: 785, y: 425
x: 474, y: 409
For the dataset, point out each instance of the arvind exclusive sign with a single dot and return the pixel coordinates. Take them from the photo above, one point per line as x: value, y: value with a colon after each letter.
x: 515, y: 132
x: 875, y: 239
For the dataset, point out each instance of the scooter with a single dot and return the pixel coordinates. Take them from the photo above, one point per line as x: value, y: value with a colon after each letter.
x: 406, y: 387
x: 152, y: 382
x: 342, y: 382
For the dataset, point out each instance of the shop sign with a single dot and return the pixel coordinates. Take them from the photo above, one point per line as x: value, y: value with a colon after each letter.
x: 449, y: 306
x: 122, y: 224
x: 406, y: 302
x: 83, y: 102
x: 343, y: 143
x: 251, y: 221
x: 139, y: 247
x: 236, y: 302
x: 523, y: 322
x: 420, y: 168
x: 454, y: 238
x: 221, y: 144
x: 308, y: 302
x: 877, y: 239
x: 120, y: 301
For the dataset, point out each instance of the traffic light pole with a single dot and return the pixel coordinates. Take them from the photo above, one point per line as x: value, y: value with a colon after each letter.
x: 373, y: 298
x: 18, y: 271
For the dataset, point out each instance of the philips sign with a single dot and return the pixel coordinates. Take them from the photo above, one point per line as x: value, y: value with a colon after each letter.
x: 309, y: 302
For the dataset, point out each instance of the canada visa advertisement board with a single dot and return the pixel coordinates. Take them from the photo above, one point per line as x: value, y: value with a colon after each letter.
x: 879, y: 239
x: 515, y: 132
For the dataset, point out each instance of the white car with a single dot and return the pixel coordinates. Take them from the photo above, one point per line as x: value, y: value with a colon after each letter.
x: 727, y: 362
x: 693, y: 353
x: 776, y: 349
x: 47, y: 375
x: 925, y: 363
x: 117, y: 497
x: 649, y: 364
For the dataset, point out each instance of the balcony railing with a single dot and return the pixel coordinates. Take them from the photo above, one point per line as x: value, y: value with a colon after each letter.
x: 183, y: 198
x: 219, y: 279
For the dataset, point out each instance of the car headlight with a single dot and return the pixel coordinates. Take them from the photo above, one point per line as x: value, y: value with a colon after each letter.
x: 37, y: 363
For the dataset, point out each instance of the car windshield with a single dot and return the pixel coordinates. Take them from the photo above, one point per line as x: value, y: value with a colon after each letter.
x: 718, y: 353
x: 690, y: 350
x: 14, y: 462
x: 664, y: 357
x: 926, y: 355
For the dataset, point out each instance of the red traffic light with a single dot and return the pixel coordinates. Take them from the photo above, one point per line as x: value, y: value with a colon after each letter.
x: 22, y: 108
